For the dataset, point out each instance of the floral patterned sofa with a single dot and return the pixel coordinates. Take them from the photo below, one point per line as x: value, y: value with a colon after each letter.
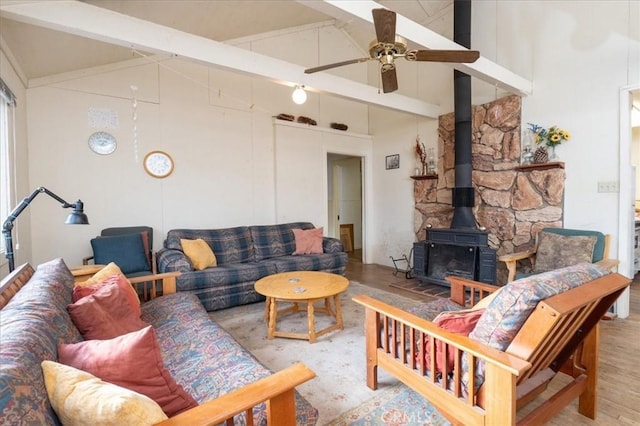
x: 204, y: 359
x: 244, y: 255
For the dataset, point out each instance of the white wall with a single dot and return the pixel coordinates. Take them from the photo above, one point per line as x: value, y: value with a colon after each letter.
x: 581, y: 54
x: 217, y: 126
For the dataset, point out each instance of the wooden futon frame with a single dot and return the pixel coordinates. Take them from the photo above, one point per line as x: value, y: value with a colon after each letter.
x: 559, y: 337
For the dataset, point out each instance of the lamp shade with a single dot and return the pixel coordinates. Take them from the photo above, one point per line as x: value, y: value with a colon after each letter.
x: 77, y: 216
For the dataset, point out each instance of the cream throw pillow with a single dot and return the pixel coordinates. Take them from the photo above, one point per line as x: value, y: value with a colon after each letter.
x: 79, y: 398
x: 107, y: 272
x: 102, y: 274
x: 199, y: 253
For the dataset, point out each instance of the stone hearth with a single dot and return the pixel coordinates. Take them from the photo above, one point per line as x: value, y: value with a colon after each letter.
x: 512, y: 202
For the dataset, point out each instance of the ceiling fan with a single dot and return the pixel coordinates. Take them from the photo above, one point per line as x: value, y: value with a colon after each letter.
x: 389, y: 46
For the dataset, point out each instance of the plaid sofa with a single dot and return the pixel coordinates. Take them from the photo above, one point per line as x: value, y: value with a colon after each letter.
x: 244, y: 255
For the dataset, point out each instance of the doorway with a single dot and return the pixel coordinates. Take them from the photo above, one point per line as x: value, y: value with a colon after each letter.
x: 345, y: 202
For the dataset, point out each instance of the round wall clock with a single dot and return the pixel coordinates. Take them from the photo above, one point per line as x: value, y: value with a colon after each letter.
x: 158, y: 164
x: 102, y: 143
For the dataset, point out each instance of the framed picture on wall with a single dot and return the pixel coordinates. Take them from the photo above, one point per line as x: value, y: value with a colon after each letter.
x: 392, y: 161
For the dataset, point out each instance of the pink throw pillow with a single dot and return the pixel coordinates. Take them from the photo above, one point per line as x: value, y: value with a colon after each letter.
x: 308, y: 241
x: 132, y: 361
x: 105, y: 314
x: 132, y: 298
x: 455, y: 322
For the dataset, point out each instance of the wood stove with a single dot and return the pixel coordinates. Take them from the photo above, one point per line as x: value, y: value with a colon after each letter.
x: 463, y: 253
x: 463, y: 249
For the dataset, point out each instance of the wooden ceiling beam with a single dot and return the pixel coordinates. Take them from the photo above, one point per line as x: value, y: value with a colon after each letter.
x: 97, y: 23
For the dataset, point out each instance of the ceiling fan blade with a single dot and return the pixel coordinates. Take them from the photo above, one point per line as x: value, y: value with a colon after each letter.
x: 447, y: 55
x: 335, y: 65
x: 389, y: 81
x: 385, y: 22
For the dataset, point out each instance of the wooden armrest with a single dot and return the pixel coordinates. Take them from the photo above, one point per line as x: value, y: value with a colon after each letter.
x: 477, y: 290
x: 85, y: 260
x: 608, y: 263
x: 168, y: 282
x: 277, y: 390
x: 512, y: 257
x: 84, y: 272
x: 511, y: 260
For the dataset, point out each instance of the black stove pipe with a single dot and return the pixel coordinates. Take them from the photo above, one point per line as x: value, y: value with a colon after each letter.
x: 463, y: 194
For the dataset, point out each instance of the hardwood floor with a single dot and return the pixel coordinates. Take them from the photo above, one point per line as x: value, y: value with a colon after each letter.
x: 619, y: 375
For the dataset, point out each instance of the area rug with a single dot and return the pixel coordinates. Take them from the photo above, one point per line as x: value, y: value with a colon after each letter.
x: 426, y: 289
x: 338, y: 358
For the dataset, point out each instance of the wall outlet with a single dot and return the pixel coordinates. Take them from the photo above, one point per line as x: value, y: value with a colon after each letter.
x: 608, y: 186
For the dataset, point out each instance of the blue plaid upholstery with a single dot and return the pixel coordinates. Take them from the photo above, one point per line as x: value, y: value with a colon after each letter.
x: 230, y: 245
x: 316, y: 262
x: 244, y: 254
x: 275, y: 240
x: 225, y: 275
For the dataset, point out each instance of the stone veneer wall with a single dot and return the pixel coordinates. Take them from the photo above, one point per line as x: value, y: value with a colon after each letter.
x: 512, y: 204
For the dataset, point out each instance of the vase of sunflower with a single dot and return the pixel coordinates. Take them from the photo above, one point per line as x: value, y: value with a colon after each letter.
x: 547, y: 141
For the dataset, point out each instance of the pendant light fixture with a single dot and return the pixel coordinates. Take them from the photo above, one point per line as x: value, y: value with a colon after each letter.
x: 299, y: 96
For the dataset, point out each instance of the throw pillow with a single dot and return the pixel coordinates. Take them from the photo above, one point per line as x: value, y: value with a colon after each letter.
x: 126, y: 250
x: 308, y: 241
x: 80, y: 398
x: 558, y: 251
x: 132, y: 361
x: 132, y: 297
x: 199, y: 253
x: 105, y: 314
x: 458, y: 322
x: 110, y: 269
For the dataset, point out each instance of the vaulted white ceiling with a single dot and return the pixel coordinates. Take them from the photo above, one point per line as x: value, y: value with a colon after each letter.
x: 48, y: 38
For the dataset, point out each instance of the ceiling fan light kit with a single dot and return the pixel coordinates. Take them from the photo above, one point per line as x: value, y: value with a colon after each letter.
x: 388, y: 46
x: 299, y: 96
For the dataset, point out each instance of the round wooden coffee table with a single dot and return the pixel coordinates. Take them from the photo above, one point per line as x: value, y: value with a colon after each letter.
x: 299, y: 288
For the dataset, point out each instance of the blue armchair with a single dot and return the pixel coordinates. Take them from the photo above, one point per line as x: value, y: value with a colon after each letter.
x: 131, y: 248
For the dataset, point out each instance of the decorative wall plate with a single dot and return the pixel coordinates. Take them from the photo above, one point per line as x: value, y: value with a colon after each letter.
x: 158, y: 164
x: 102, y: 143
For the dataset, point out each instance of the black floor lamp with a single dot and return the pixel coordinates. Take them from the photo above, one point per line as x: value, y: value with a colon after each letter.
x: 76, y: 217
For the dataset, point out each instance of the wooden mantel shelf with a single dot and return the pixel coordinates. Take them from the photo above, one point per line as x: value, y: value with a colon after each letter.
x: 423, y: 177
x: 541, y: 166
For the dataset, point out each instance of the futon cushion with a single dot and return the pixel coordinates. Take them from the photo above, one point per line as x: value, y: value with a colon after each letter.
x: 32, y: 324
x: 308, y: 241
x: 199, y: 253
x: 80, y: 398
x: 127, y: 251
x: 133, y: 361
x: 558, y: 251
x: 80, y: 291
x: 105, y: 314
x: 507, y: 312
